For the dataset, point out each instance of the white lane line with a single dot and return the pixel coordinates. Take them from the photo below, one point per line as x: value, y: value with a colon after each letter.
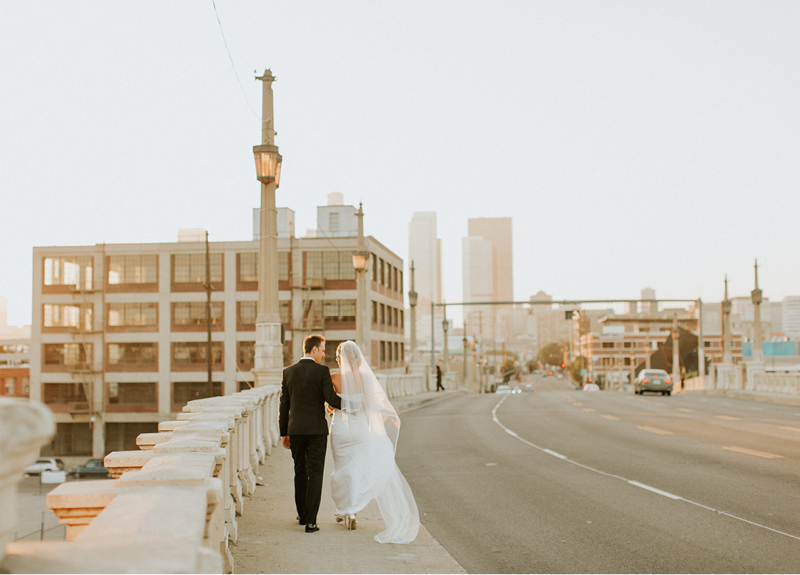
x: 554, y: 453
x: 791, y: 428
x: 610, y: 417
x: 630, y: 481
x: 654, y: 490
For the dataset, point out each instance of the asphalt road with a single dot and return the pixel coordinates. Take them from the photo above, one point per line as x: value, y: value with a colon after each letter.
x: 565, y: 481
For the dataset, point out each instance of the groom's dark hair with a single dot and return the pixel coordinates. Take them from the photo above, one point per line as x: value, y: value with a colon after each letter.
x: 312, y: 341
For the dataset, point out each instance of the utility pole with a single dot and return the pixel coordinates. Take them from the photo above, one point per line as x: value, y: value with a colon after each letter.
x: 208, y: 314
x: 726, y: 327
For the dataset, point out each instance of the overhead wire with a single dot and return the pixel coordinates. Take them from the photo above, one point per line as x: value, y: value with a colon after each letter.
x: 213, y: 3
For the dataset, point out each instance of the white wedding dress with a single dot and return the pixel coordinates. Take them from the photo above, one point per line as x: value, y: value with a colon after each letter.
x: 363, y: 441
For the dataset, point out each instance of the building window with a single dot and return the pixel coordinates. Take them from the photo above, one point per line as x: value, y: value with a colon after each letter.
x: 283, y: 309
x: 402, y: 319
x: 375, y: 312
x: 10, y: 386
x: 75, y: 271
x: 68, y: 315
x: 396, y: 317
x: 191, y: 268
x: 396, y: 351
x: 627, y: 361
x: 383, y: 314
x: 338, y: 266
x: 394, y: 278
x: 389, y: 351
x: 185, y: 391
x: 247, y: 312
x: 383, y: 351
x: 628, y: 344
x: 608, y: 345
x: 132, y: 354
x: 283, y: 266
x: 193, y: 313
x: 400, y: 274
x: 122, y: 436
x: 193, y: 353
x: 246, y: 353
x: 63, y: 393
x: 402, y: 352
x: 132, y: 393
x: 133, y: 269
x: 133, y: 314
x: 331, y: 346
x: 389, y: 316
x: 340, y: 310
x: 313, y: 272
x: 248, y: 267
x: 70, y: 439
x: 374, y: 268
x: 382, y: 272
x: 333, y: 222
x: 73, y: 355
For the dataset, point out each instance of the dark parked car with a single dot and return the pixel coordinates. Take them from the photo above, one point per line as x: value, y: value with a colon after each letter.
x: 92, y: 468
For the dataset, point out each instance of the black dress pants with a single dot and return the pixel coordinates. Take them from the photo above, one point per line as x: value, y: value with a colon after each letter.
x: 308, y: 452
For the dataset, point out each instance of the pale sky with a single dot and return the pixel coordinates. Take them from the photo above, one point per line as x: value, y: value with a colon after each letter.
x: 634, y: 143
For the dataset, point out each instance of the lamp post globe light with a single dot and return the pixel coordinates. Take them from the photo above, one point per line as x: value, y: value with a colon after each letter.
x: 268, y: 347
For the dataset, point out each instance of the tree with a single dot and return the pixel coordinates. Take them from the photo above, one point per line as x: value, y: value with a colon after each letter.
x: 575, y: 368
x: 532, y: 365
x: 552, y: 354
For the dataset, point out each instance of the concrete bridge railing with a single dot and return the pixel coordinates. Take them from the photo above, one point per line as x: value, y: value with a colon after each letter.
x: 172, y: 505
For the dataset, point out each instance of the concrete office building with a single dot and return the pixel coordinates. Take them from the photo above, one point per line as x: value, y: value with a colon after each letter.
x: 425, y: 250
x: 790, y: 316
x: 119, y: 330
x: 498, y: 232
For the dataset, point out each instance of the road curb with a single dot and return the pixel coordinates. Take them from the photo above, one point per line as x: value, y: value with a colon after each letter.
x: 416, y: 403
x: 747, y: 395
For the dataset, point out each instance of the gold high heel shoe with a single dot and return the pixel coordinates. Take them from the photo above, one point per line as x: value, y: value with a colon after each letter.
x: 352, y: 523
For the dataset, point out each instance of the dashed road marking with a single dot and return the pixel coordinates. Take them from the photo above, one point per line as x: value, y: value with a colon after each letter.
x: 610, y: 417
x: 635, y: 483
x: 588, y: 409
x: 754, y: 452
x: 791, y: 428
x: 654, y: 430
x: 686, y: 410
x: 728, y: 417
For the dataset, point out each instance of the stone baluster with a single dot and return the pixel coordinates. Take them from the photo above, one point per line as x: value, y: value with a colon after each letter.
x: 24, y: 427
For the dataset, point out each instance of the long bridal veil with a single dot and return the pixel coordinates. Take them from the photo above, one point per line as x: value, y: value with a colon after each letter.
x: 367, y: 468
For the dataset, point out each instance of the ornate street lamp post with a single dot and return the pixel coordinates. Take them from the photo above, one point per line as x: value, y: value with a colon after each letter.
x: 361, y: 264
x: 758, y: 353
x: 268, y: 346
x: 412, y: 304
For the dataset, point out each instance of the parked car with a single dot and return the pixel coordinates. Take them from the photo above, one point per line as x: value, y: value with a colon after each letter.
x: 516, y: 389
x: 528, y: 387
x: 503, y: 389
x: 656, y: 380
x: 590, y: 387
x: 44, y: 464
x: 92, y: 468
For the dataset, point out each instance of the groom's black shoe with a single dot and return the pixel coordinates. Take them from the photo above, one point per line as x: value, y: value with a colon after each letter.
x: 311, y: 528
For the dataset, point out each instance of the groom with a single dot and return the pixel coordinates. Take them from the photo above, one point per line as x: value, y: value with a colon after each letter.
x: 305, y: 388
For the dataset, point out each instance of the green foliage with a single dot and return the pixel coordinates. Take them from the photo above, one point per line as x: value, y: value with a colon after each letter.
x: 575, y: 368
x: 532, y: 364
x: 552, y: 354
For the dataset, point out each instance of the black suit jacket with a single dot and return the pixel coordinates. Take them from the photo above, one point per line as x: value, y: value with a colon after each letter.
x: 305, y: 388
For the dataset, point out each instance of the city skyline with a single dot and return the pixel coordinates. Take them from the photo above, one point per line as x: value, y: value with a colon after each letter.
x: 634, y: 145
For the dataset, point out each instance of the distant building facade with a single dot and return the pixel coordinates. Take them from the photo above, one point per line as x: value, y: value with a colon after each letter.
x: 119, y: 338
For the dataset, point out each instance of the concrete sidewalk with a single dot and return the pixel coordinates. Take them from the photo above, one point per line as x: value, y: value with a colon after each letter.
x: 271, y: 541
x: 762, y: 396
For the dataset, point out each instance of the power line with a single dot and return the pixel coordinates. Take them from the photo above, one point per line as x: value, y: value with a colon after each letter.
x: 213, y: 2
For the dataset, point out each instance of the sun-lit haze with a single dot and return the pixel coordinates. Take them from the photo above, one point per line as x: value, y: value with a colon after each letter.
x: 633, y: 144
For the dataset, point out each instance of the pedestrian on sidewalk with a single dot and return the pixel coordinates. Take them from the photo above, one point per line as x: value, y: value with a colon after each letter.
x: 305, y: 388
x: 439, y: 385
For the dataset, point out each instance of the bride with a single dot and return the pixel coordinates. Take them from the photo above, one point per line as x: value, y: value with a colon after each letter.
x: 363, y: 442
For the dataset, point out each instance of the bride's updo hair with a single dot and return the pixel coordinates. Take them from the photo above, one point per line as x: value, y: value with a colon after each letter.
x: 350, y: 350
